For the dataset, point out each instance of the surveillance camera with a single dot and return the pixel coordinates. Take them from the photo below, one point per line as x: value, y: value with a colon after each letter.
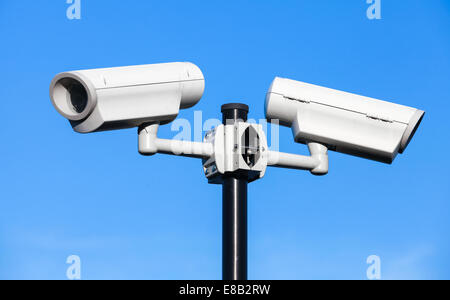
x: 344, y: 122
x: 126, y: 97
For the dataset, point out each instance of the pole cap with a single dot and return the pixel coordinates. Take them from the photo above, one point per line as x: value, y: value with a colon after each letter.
x: 232, y: 106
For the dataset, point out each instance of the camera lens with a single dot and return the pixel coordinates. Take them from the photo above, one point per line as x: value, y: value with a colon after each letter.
x: 78, y: 97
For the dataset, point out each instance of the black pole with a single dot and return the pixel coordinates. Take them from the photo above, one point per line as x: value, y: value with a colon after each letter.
x: 234, y: 193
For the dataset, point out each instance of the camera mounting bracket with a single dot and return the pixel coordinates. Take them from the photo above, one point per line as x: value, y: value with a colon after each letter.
x: 239, y: 147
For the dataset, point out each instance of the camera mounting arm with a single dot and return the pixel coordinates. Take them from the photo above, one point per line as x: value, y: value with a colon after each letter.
x: 317, y: 163
x: 150, y: 144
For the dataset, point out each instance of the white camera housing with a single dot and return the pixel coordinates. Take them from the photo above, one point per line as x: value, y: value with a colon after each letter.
x: 344, y: 122
x: 126, y: 97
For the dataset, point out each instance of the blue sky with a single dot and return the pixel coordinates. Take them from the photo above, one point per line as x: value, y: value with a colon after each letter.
x: 131, y: 217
